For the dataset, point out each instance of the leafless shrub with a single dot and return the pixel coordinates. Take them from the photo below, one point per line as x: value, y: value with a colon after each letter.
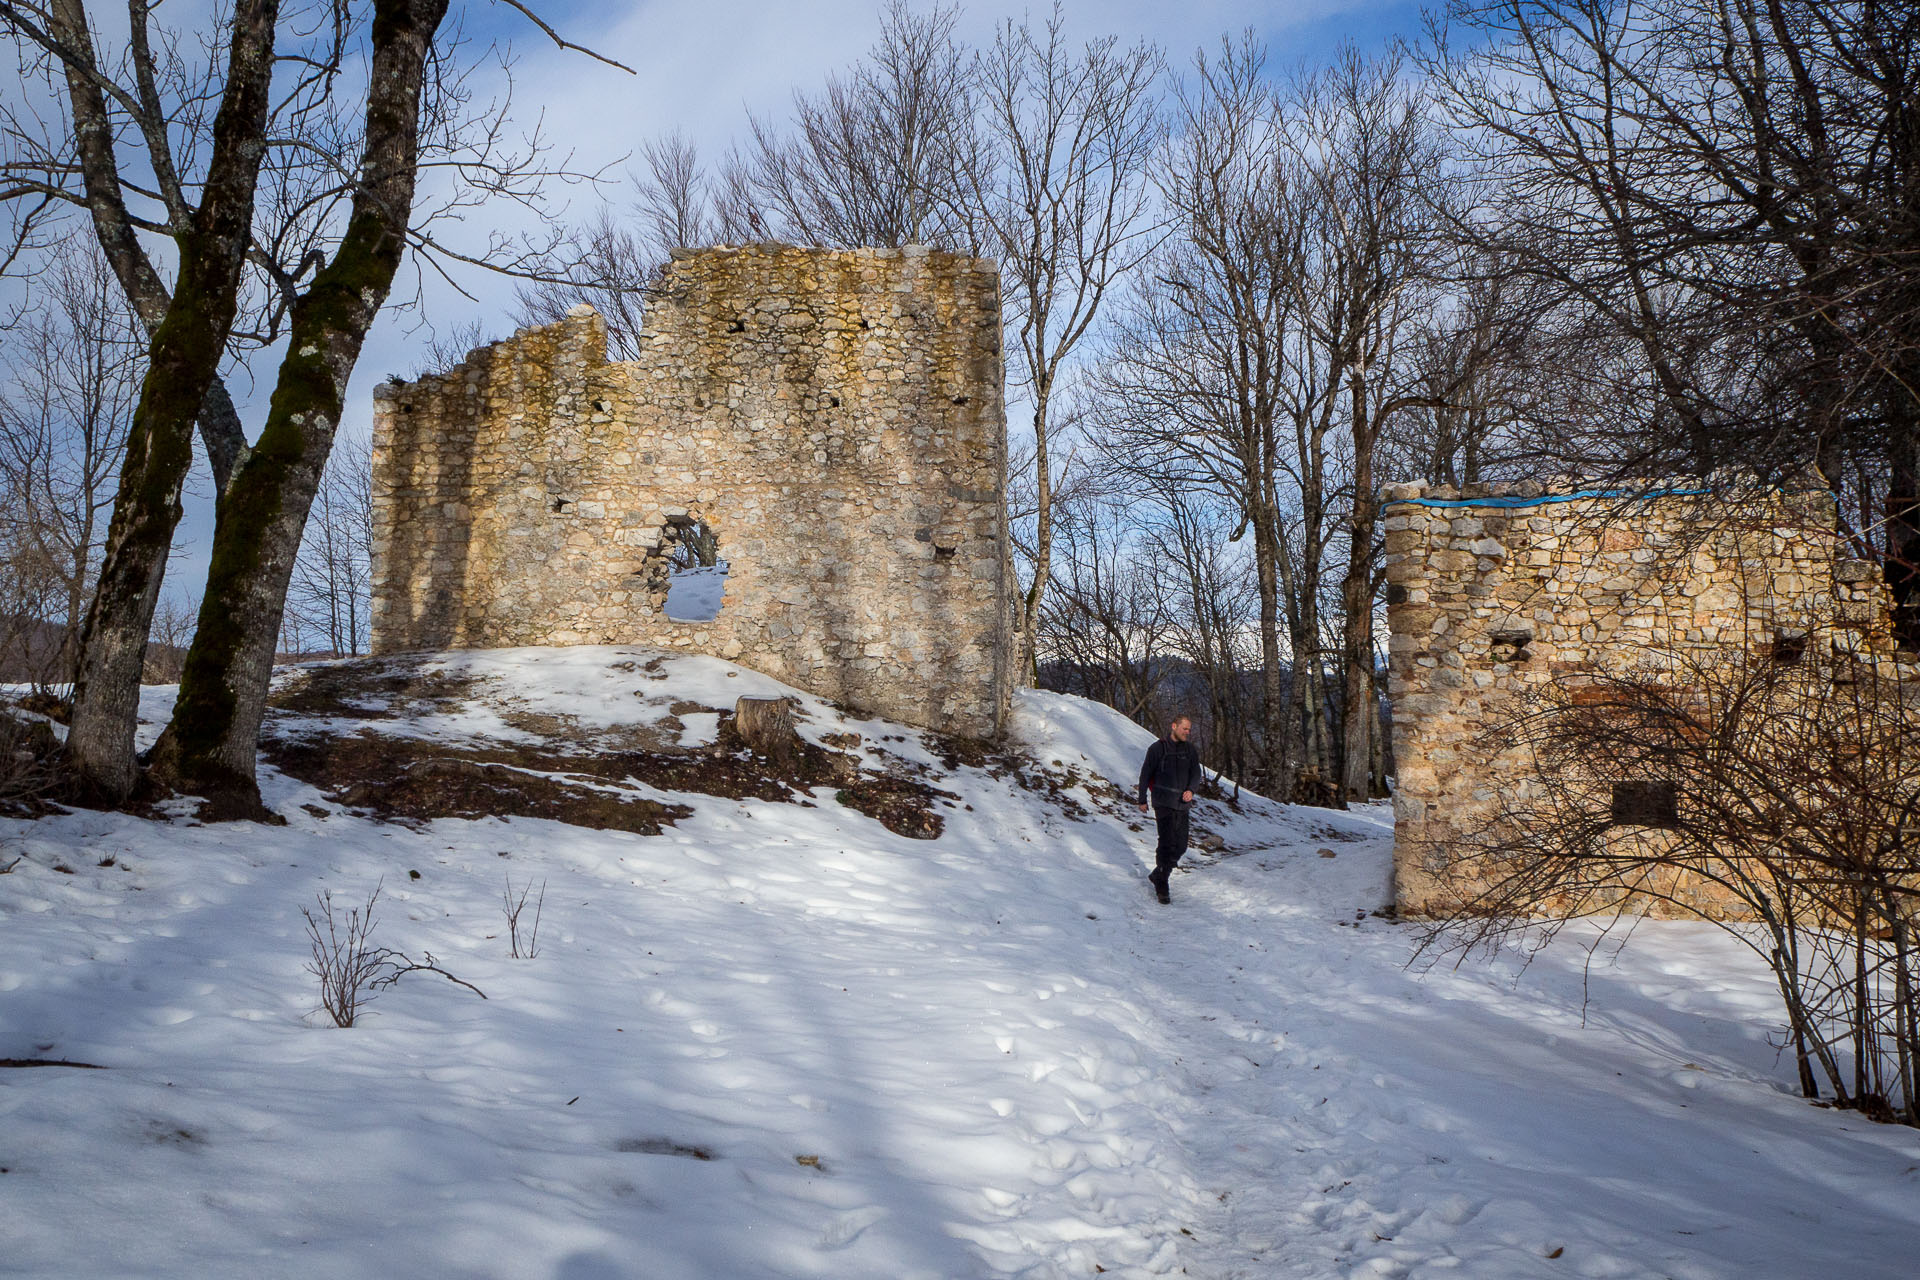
x: 28, y: 764
x: 515, y: 904
x: 1767, y: 785
x: 351, y: 969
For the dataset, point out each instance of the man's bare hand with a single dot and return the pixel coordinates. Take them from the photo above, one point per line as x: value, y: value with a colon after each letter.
x: 1186, y: 797
x: 1143, y: 806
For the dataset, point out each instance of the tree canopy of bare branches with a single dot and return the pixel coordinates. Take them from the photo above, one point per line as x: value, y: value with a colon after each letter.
x: 870, y: 159
x: 1726, y: 186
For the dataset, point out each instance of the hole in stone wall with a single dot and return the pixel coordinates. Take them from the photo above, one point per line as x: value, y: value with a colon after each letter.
x: 1789, y: 647
x: 1646, y: 804
x: 696, y: 575
x: 1510, y: 645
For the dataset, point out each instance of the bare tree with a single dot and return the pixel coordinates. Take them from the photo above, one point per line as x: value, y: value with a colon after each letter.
x: 329, y: 591
x: 208, y: 747
x: 1107, y: 620
x: 1490, y: 388
x: 448, y: 347
x: 610, y: 267
x: 172, y: 632
x: 191, y: 324
x: 676, y: 204
x: 1199, y: 385
x: 1370, y: 163
x: 872, y: 159
x: 1213, y: 612
x: 76, y: 364
x: 1058, y: 186
x: 313, y: 196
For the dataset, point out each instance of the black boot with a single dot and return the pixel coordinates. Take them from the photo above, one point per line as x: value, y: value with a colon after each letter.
x: 1159, y: 882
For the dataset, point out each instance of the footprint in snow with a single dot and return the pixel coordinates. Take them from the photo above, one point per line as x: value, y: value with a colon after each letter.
x: 848, y: 1227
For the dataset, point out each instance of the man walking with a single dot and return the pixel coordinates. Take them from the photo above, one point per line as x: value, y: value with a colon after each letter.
x: 1170, y: 776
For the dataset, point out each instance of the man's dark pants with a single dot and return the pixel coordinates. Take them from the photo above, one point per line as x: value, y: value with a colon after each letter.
x: 1172, y: 824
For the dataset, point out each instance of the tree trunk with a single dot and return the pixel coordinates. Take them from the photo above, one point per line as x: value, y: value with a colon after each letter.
x: 1903, y: 534
x: 1378, y: 787
x: 1026, y: 663
x: 1356, y: 599
x: 1356, y: 602
x: 183, y: 359
x: 1274, y: 710
x: 208, y: 748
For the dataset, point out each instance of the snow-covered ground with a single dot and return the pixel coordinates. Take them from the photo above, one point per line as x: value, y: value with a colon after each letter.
x: 781, y: 1041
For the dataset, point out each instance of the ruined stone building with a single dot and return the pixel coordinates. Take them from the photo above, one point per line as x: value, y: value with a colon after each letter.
x: 1499, y: 593
x: 829, y: 426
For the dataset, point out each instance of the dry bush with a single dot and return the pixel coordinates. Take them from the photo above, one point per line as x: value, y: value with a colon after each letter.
x: 525, y: 946
x: 1765, y: 785
x: 351, y: 969
x: 29, y: 765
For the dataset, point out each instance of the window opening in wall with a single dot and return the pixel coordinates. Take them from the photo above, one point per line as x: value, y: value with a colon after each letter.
x: 1510, y: 645
x: 696, y: 575
x: 1789, y: 647
x: 1646, y: 804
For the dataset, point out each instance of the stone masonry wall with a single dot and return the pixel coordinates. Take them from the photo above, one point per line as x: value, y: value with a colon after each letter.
x: 1494, y: 595
x: 836, y: 418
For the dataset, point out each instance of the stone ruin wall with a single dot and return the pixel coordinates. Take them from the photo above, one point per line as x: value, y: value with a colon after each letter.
x: 1493, y: 596
x: 836, y: 418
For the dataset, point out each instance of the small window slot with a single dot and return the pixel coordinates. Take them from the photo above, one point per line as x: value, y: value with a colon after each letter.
x: 1646, y: 804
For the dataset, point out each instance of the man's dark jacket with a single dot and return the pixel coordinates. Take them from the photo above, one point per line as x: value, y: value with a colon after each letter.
x: 1172, y: 769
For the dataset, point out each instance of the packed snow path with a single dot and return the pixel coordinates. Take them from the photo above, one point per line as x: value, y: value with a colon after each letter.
x: 779, y: 1041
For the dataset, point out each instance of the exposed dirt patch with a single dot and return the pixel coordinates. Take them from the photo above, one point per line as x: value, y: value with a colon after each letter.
x: 412, y: 780
x: 369, y: 689
x: 585, y: 777
x: 1057, y: 785
x: 662, y: 1147
x: 955, y: 751
x: 901, y: 805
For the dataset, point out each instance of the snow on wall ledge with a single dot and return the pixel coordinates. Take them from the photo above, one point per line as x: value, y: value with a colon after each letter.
x: 1496, y: 592
x: 835, y: 418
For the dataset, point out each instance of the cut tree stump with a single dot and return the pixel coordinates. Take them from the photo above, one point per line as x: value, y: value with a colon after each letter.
x: 766, y: 725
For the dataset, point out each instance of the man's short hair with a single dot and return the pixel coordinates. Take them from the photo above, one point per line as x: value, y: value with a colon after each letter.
x: 1177, y: 717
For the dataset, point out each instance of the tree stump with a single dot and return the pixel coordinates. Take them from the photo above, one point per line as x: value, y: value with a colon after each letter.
x: 766, y: 726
